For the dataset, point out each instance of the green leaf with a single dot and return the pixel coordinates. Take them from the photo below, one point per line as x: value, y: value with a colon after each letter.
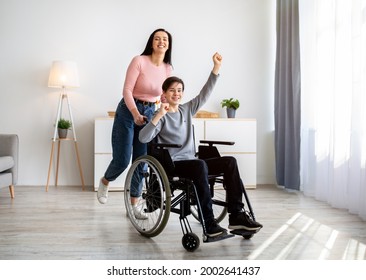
x: 64, y: 124
x: 230, y: 103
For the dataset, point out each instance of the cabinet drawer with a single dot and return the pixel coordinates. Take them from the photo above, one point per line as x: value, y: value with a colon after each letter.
x: 243, y: 133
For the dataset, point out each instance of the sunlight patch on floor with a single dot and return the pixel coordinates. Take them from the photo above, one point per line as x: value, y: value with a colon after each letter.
x: 303, y: 236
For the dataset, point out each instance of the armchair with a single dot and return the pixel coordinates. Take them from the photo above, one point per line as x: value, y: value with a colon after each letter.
x: 9, y: 149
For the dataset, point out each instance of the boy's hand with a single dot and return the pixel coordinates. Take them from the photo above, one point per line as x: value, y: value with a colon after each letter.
x: 164, y: 108
x: 217, y: 58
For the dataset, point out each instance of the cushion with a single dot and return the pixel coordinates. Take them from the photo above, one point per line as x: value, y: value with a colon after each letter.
x: 6, y: 163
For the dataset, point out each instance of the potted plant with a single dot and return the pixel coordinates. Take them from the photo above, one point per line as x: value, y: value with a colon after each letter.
x: 62, y: 127
x: 231, y: 106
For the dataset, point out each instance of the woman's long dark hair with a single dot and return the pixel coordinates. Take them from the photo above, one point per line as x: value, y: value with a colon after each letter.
x: 148, y: 49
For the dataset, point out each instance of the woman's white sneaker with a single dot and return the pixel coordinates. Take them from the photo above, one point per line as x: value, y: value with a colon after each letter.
x: 102, y: 193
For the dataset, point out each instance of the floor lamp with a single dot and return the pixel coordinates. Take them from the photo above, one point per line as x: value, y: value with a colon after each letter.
x: 63, y: 74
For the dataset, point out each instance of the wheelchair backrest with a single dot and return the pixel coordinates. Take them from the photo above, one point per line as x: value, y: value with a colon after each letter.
x: 159, y: 151
x: 206, y: 152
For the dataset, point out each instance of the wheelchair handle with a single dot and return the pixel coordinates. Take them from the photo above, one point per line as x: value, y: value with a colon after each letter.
x: 210, y: 142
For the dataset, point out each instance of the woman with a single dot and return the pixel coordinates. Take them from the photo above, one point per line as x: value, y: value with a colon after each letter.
x: 142, y: 89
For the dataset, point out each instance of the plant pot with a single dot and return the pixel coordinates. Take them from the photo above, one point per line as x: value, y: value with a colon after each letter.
x: 230, y: 113
x: 62, y: 133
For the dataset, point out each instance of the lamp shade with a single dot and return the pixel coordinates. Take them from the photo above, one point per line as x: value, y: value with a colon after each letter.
x: 63, y: 74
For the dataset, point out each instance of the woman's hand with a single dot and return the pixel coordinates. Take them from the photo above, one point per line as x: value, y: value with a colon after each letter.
x: 140, y: 120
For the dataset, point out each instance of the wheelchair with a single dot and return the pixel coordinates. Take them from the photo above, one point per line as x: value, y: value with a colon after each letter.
x: 163, y: 193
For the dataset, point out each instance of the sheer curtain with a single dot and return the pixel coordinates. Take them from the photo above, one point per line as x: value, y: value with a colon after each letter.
x: 333, y: 129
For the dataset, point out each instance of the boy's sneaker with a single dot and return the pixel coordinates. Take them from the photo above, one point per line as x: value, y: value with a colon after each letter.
x: 213, y: 229
x: 102, y: 193
x: 242, y: 221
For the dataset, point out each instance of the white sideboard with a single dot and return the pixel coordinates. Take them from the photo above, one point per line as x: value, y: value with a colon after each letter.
x: 241, y: 131
x: 103, y: 153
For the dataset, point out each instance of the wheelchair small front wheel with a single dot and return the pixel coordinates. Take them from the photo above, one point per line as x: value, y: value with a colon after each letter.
x: 190, y: 241
x: 146, y: 180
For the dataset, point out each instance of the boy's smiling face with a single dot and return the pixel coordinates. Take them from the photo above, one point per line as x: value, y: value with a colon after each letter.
x: 174, y: 94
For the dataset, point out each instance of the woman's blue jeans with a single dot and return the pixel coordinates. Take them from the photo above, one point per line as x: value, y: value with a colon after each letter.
x: 125, y: 142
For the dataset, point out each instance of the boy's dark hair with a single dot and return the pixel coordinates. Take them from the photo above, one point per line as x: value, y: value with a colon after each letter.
x: 148, y: 49
x: 171, y: 80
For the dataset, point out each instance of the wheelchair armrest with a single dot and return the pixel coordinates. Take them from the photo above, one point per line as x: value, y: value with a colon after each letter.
x: 210, y: 143
x: 210, y: 151
x: 165, y: 145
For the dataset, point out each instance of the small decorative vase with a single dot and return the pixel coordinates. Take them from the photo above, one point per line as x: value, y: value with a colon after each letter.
x: 230, y: 113
x: 62, y: 133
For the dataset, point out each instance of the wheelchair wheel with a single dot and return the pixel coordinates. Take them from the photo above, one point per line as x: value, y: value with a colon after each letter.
x: 190, y: 241
x: 148, y: 180
x: 218, y: 205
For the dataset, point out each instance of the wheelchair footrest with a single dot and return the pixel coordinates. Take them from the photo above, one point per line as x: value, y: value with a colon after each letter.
x: 244, y: 232
x: 207, y: 239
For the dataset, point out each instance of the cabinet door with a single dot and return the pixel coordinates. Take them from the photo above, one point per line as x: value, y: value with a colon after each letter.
x: 199, y: 131
x: 102, y: 135
x: 103, y: 153
x: 247, y: 164
x: 242, y: 132
x: 101, y: 162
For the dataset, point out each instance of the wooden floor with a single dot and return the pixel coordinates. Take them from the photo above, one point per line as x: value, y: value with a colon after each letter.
x: 66, y: 223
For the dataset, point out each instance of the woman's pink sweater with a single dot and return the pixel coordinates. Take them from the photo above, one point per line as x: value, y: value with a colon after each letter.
x: 144, y: 80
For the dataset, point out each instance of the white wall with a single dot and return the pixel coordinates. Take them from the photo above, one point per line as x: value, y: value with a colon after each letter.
x: 102, y: 37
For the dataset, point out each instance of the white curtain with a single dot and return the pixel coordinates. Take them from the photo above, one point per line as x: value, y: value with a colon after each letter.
x: 333, y: 129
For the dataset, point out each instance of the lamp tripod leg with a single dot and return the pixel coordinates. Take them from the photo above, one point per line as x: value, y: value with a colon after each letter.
x: 75, y: 141
x: 79, y: 164
x: 58, y: 161
x: 50, y: 166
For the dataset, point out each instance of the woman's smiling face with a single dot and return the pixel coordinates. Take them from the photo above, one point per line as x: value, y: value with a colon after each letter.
x: 160, y: 42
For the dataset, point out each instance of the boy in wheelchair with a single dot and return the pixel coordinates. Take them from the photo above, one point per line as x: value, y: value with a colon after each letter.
x: 172, y: 124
